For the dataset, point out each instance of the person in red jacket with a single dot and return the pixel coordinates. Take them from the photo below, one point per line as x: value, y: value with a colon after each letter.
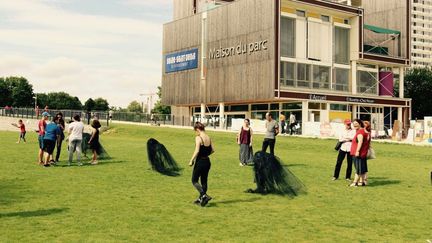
x: 22, y: 128
x: 359, y: 149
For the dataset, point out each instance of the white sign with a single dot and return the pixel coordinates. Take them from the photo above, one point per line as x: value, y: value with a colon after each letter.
x: 240, y: 49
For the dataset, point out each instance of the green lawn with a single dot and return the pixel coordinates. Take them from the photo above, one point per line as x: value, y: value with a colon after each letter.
x: 123, y: 200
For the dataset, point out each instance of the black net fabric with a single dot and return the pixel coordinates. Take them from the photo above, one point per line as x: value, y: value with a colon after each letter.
x: 160, y: 159
x: 272, y: 177
x: 102, y: 153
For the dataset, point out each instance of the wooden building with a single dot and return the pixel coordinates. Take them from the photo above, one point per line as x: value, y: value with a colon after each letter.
x: 243, y: 58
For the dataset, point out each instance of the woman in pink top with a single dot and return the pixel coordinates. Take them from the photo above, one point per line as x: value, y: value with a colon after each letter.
x: 359, y: 149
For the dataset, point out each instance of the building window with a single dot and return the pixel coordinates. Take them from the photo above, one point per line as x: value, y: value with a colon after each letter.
x: 338, y: 107
x: 301, y: 13
x: 341, y: 79
x: 321, y: 77
x: 325, y: 18
x: 367, y: 82
x: 287, y: 74
x: 287, y: 37
x: 341, y: 43
x: 303, y: 75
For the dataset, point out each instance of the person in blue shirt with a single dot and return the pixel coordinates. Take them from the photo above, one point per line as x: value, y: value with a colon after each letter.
x: 52, y: 134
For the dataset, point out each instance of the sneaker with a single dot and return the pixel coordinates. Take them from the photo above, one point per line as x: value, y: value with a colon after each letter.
x: 94, y: 162
x: 334, y: 178
x: 46, y: 165
x: 241, y: 164
x: 197, y: 201
x: 348, y: 179
x: 205, y: 199
x: 80, y: 164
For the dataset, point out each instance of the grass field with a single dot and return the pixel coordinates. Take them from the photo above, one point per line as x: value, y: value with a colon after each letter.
x: 123, y: 200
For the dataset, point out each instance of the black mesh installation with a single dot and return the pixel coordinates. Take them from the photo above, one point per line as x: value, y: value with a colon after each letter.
x: 102, y: 153
x: 160, y: 159
x: 272, y: 177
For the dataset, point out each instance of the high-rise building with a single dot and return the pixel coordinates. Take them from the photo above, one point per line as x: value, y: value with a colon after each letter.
x: 421, y: 33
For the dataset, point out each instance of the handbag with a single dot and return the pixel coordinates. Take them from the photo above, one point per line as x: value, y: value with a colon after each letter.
x: 338, y: 145
x: 371, y: 153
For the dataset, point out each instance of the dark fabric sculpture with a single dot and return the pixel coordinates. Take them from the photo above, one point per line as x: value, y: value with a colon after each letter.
x: 272, y: 177
x: 160, y: 159
x: 102, y: 153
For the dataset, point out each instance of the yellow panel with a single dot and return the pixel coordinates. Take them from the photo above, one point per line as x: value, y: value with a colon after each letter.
x: 313, y: 15
x: 339, y: 116
x: 338, y: 20
x: 288, y: 10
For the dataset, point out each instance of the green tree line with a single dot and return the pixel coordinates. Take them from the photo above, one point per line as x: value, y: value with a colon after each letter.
x: 18, y: 92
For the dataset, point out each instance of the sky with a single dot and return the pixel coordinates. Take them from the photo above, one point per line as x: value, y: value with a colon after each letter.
x: 87, y: 48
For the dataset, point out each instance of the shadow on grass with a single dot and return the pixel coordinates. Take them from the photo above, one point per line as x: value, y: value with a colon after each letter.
x: 36, y: 213
x: 10, y: 192
x: 381, y: 181
x: 295, y: 165
x: 215, y: 204
x: 101, y: 162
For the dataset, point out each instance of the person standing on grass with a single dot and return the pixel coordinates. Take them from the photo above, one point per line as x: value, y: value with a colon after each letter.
x: 282, y: 119
x: 52, y: 134
x: 200, y: 158
x: 61, y: 124
x: 94, y: 141
x: 21, y: 126
x: 345, y: 151
x: 359, y: 150
x: 75, y: 130
x: 41, y: 133
x: 244, y: 139
x: 292, y: 123
x: 272, y: 129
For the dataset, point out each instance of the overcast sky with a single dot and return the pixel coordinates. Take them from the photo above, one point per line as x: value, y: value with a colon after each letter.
x: 88, y: 48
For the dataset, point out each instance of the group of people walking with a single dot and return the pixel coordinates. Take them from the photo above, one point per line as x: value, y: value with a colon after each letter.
x: 354, y: 144
x: 51, y: 134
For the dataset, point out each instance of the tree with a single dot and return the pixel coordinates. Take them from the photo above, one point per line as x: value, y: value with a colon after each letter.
x: 58, y: 100
x: 135, y: 106
x: 89, y: 105
x: 6, y: 94
x: 16, y: 92
x: 101, y: 104
x: 418, y: 85
x: 159, y: 107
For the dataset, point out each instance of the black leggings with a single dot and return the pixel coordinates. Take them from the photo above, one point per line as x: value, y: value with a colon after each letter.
x: 268, y: 142
x: 59, y: 145
x: 201, y: 171
x: 340, y: 159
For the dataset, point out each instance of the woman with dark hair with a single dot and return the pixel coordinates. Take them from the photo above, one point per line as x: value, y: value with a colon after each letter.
x: 345, y: 151
x: 61, y: 125
x: 94, y: 141
x: 200, y: 158
x: 244, y: 139
x: 359, y: 150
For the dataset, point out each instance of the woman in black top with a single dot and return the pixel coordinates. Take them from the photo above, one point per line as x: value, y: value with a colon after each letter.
x: 200, y: 157
x: 61, y: 125
x: 94, y: 141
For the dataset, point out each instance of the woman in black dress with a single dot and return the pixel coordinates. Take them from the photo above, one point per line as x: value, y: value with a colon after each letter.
x: 94, y: 141
x: 200, y: 157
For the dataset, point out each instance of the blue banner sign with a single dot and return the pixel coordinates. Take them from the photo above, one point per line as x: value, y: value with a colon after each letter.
x: 181, y: 61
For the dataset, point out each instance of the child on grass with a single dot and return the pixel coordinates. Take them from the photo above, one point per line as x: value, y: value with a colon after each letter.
x: 94, y: 141
x: 21, y: 126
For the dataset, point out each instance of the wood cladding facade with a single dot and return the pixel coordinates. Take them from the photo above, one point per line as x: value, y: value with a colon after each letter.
x: 230, y: 79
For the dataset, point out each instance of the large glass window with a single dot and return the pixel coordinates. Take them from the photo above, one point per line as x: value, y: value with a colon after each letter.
x: 287, y: 37
x: 341, y: 48
x: 341, y: 79
x: 321, y: 77
x: 303, y: 75
x: 287, y: 74
x: 367, y: 82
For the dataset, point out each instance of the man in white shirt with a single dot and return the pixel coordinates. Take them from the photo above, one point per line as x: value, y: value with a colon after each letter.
x: 292, y: 123
x: 75, y: 130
